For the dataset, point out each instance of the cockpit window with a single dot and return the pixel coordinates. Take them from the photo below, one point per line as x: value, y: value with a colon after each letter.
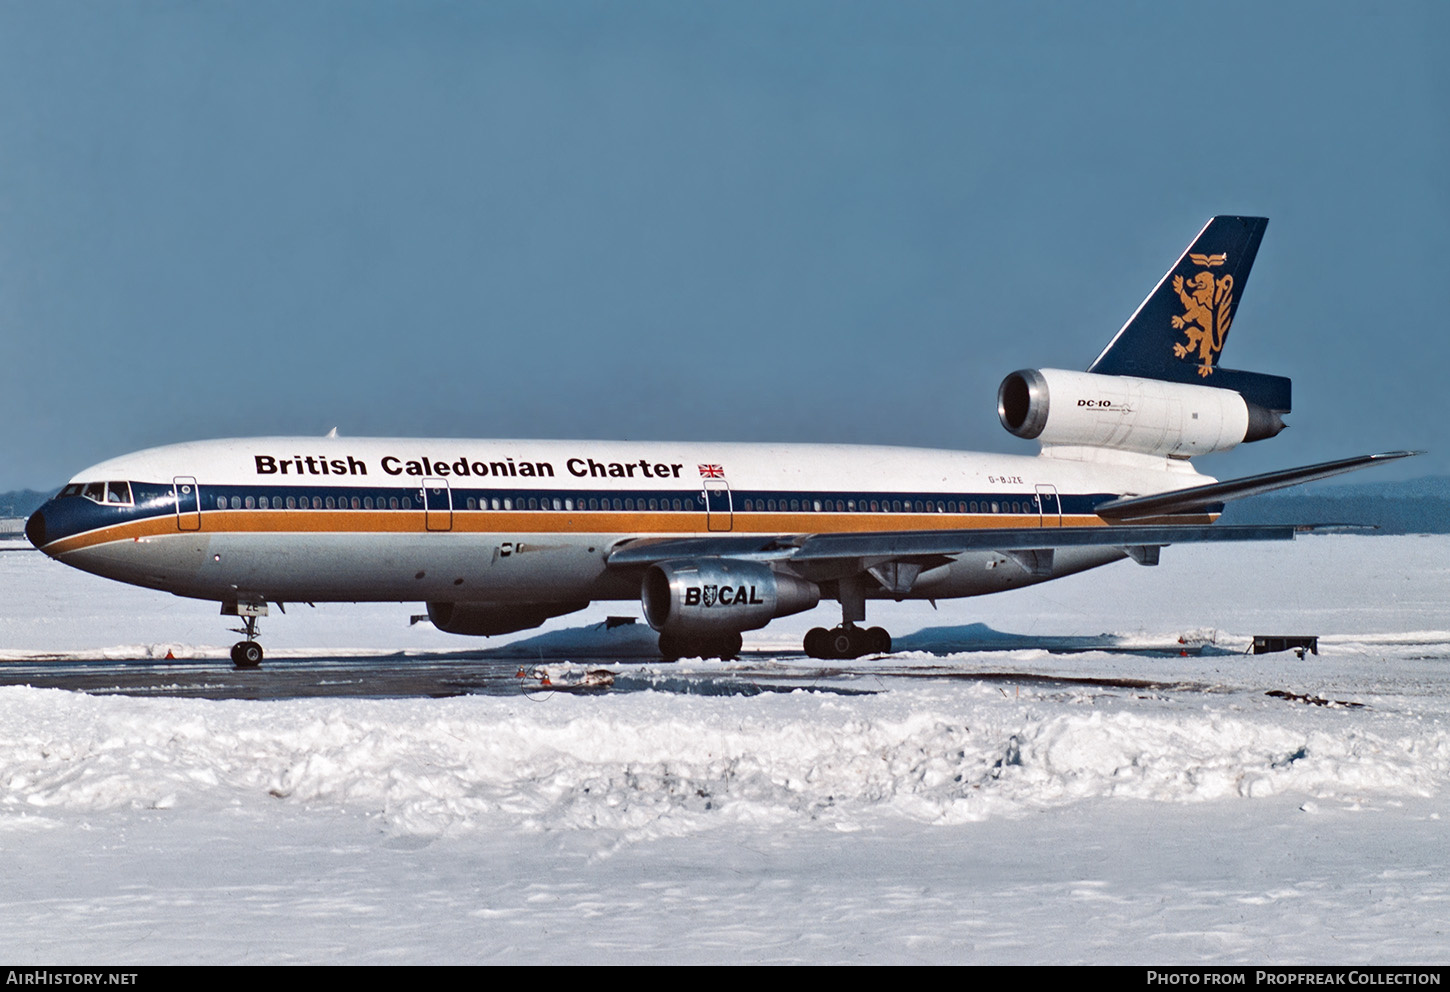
x: 112, y: 493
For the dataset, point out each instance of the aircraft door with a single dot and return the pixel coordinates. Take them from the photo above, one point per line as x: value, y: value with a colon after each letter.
x: 437, y: 504
x: 188, y: 502
x: 1049, y: 506
x: 717, y: 505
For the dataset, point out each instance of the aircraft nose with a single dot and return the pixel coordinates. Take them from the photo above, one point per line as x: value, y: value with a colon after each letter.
x: 35, y: 528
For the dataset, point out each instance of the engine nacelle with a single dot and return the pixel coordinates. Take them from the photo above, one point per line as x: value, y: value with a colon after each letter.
x: 484, y: 619
x: 1151, y: 416
x: 712, y: 596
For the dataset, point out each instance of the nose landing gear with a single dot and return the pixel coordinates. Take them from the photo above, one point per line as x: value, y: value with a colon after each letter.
x: 248, y: 653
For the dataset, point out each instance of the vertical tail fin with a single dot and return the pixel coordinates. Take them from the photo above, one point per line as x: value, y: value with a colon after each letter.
x: 1178, y: 332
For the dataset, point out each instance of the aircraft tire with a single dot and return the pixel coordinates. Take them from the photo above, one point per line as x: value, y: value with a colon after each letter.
x: 672, y: 649
x: 246, y: 654
x: 878, y: 641
x: 816, y: 642
x: 845, y: 642
x: 724, y: 647
x: 728, y: 646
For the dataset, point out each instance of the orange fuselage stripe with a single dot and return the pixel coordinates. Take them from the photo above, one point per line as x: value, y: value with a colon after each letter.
x: 509, y: 522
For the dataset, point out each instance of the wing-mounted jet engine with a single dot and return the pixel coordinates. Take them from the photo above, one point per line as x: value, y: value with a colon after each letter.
x: 701, y: 606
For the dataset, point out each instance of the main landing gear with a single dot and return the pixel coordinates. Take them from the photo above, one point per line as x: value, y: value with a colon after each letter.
x: 722, y: 646
x: 248, y: 653
x: 848, y: 640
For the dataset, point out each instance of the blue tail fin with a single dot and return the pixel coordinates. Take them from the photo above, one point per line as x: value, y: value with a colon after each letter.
x: 1179, y: 331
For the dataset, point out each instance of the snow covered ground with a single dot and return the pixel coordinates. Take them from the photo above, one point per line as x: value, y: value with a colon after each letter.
x: 1008, y: 805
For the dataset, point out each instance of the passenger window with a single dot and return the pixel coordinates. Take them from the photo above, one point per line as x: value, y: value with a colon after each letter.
x: 263, y: 503
x: 221, y: 502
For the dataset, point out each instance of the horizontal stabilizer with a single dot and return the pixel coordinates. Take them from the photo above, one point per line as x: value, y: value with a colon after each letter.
x: 1205, y: 498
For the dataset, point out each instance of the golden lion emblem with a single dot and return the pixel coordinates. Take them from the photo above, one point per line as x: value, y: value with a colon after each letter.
x: 1207, y: 312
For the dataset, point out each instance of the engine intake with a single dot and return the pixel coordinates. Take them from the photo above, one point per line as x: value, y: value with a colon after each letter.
x: 698, y: 598
x: 485, y: 619
x: 1151, y: 416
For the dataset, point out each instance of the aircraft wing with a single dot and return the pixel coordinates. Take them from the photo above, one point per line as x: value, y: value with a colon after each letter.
x: 1209, y: 496
x: 896, y: 545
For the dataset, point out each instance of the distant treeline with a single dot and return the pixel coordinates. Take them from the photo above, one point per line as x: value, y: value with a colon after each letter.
x: 21, y: 502
x: 1420, y: 506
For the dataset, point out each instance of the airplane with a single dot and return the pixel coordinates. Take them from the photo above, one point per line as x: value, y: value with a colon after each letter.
x: 714, y: 539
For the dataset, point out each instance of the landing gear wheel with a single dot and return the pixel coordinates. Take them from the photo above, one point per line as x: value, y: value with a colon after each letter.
x: 878, y: 641
x: 672, y: 649
x: 246, y: 654
x: 722, y: 646
x: 816, y: 642
x: 845, y: 642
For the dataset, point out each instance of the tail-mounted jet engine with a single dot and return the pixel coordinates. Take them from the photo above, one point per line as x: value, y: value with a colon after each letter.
x: 484, y: 619
x: 1150, y: 416
x: 701, y: 606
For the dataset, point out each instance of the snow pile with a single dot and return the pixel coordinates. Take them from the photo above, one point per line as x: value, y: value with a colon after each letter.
x: 1005, y: 805
x: 654, y: 764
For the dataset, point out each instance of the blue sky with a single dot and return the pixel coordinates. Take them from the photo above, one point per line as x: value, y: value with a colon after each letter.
x: 828, y: 221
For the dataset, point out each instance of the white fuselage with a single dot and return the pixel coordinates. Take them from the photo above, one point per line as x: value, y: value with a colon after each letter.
x: 358, y: 519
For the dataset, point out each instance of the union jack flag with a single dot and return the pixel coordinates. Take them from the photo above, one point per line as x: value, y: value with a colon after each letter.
x: 711, y: 472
